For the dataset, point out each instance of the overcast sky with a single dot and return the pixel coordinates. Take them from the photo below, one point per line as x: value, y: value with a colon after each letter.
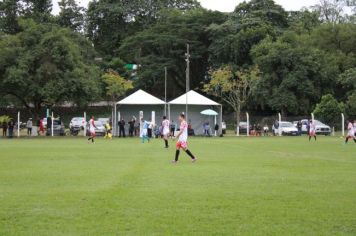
x: 225, y: 5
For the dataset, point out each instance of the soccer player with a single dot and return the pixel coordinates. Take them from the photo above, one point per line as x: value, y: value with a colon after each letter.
x: 312, y: 130
x: 182, y: 140
x: 165, y: 130
x: 351, y: 132
x: 92, y: 130
x: 144, y: 131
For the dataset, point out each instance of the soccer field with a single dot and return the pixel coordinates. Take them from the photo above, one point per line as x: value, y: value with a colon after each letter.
x: 239, y: 186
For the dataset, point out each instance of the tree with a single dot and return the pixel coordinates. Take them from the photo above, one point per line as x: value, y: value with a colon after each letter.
x: 38, y: 10
x: 331, y: 11
x: 292, y: 80
x: 249, y: 24
x: 71, y: 15
x: 9, y: 11
x: 115, y: 85
x: 347, y: 81
x: 329, y: 110
x: 232, y: 87
x: 164, y: 45
x: 111, y: 21
x: 44, y: 65
x: 351, y: 106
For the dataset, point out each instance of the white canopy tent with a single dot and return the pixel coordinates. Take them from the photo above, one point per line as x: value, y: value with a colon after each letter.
x: 196, y: 103
x: 136, y: 102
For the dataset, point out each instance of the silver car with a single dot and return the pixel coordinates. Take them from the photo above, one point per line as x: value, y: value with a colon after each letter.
x: 320, y: 128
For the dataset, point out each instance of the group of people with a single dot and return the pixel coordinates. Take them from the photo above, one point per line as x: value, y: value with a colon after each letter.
x: 8, y: 128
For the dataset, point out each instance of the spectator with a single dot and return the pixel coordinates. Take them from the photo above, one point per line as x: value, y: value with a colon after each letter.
x: 49, y: 123
x: 11, y: 126
x: 122, y: 128
x: 150, y: 128
x: 132, y: 126
x: 216, y: 128
x: 172, y: 128
x: 4, y: 129
x: 41, y: 127
x: 206, y: 127
x: 29, y: 127
x: 265, y: 130
x: 299, y: 127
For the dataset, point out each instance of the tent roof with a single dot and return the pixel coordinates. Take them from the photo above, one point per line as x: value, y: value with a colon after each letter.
x: 140, y: 97
x: 194, y: 98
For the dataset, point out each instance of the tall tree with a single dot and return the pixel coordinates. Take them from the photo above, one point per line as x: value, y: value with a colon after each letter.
x: 44, y: 65
x: 9, y: 12
x: 249, y: 24
x: 232, y: 87
x: 71, y: 15
x: 110, y: 21
x: 294, y: 76
x: 164, y: 45
x: 38, y: 10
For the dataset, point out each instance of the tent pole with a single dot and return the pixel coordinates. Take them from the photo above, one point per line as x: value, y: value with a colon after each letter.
x: 169, y: 112
x: 220, y: 125
x: 115, y: 120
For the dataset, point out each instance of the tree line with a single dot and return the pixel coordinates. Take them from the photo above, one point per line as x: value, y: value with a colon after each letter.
x: 270, y: 59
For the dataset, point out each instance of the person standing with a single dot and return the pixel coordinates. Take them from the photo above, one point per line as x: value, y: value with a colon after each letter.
x: 183, y: 140
x: 312, y: 130
x: 149, y: 129
x: 132, y: 127
x: 122, y: 128
x: 4, y: 129
x: 41, y: 126
x: 92, y: 128
x: 351, y: 132
x: 165, y: 130
x: 206, y: 127
x: 173, y: 128
x: 29, y: 127
x: 299, y: 127
x: 11, y: 126
x: 144, y: 131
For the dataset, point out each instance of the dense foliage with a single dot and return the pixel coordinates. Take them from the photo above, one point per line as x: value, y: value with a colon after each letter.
x: 300, y: 56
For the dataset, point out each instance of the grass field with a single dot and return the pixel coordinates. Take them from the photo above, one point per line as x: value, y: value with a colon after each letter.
x: 239, y: 186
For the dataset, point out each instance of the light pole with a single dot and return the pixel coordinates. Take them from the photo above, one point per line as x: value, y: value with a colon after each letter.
x: 187, y: 81
x: 165, y: 91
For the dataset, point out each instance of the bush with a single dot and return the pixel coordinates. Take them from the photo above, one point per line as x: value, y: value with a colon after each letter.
x: 351, y: 106
x: 329, y: 110
x: 4, y: 119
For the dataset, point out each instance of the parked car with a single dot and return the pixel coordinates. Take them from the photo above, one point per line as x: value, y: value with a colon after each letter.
x: 287, y: 129
x: 58, y: 128
x: 243, y: 127
x: 320, y: 128
x: 104, y: 120
x: 77, y: 122
x: 99, y: 130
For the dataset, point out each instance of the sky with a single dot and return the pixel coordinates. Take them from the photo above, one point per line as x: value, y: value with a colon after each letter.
x: 225, y: 5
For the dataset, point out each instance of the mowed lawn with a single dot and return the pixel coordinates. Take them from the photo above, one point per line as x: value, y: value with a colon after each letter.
x: 239, y: 186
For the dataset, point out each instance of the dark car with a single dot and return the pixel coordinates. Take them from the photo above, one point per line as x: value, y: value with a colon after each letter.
x: 58, y: 128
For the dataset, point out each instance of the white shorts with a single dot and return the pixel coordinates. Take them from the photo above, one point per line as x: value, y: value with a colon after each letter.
x: 144, y: 132
x: 165, y: 132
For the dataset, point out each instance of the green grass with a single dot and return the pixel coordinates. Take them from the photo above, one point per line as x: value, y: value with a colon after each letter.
x: 240, y: 186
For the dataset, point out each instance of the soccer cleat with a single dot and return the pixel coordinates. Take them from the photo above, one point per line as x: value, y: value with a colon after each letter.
x: 194, y: 160
x: 174, y: 162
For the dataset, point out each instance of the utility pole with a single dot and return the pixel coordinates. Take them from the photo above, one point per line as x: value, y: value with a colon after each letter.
x: 187, y: 81
x: 165, y: 91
